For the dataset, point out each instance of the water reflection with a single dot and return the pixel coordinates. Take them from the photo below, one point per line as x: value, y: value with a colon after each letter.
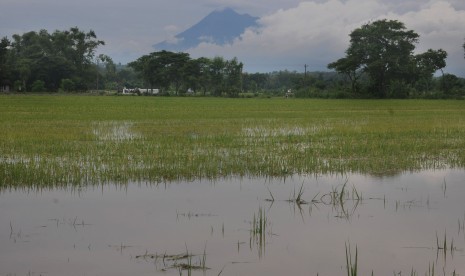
x: 239, y: 227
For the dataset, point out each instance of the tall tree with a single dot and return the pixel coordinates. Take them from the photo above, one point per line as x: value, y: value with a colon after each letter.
x: 52, y: 57
x: 4, y: 68
x: 233, y: 77
x: 383, y: 50
x: 192, y: 74
x: 428, y: 63
x: 255, y: 82
x: 174, y: 67
x: 109, y: 72
x: 204, y: 78
x: 216, y: 73
x: 162, y: 69
x: 83, y: 46
x: 351, y: 68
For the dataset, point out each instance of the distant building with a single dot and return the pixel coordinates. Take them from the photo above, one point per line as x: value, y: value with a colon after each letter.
x: 289, y: 94
x: 146, y: 91
x: 4, y: 88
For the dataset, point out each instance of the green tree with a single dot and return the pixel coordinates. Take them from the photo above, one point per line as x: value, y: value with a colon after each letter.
x: 233, y: 77
x: 145, y: 67
x: 255, y: 82
x: 162, y: 69
x: 175, y: 66
x: 127, y: 77
x: 38, y: 86
x: 52, y: 57
x: 451, y: 85
x: 427, y: 64
x: 204, y: 79
x: 4, y: 68
x: 350, y: 68
x: 216, y: 73
x: 81, y: 47
x: 109, y: 72
x: 67, y: 85
x: 25, y: 49
x: 192, y: 74
x: 381, y: 49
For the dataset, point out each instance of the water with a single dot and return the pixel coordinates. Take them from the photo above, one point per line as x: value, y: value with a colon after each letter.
x: 395, y: 223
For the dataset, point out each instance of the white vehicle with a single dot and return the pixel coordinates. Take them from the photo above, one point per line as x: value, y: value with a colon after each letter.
x: 146, y: 91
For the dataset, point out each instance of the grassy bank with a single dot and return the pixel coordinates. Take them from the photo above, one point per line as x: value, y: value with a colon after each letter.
x: 59, y: 140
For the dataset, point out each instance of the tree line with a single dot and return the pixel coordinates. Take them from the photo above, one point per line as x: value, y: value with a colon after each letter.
x: 40, y: 61
x: 179, y: 73
x: 379, y: 63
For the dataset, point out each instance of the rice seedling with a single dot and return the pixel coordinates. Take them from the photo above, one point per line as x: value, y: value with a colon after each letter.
x: 296, y: 197
x: 339, y: 199
x: 120, y: 247
x: 271, y: 199
x: 351, y: 263
x: 444, y: 187
x: 431, y: 270
x: 15, y: 236
x: 258, y: 231
x: 180, y: 262
x: 445, y: 246
x: 461, y: 225
x: 56, y: 141
x: 190, y: 215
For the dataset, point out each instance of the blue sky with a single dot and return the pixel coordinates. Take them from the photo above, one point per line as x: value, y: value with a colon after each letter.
x: 292, y: 33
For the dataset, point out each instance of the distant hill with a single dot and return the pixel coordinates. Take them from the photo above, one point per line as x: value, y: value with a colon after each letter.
x: 219, y: 27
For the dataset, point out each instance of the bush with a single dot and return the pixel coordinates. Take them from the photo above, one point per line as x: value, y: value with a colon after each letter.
x: 67, y: 85
x: 399, y: 90
x: 38, y: 86
x: 18, y: 86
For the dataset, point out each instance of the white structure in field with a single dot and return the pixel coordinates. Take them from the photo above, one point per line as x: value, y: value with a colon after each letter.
x: 4, y: 88
x: 148, y: 91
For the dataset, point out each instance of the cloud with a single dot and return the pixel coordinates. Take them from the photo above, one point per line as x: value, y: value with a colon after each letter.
x: 170, y: 32
x: 317, y: 33
x: 440, y: 24
x: 291, y: 33
x: 255, y: 8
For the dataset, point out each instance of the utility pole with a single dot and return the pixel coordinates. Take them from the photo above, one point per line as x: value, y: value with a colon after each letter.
x: 305, y: 77
x: 97, y: 72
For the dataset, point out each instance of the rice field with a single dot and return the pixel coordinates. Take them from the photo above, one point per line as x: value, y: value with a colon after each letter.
x: 51, y: 141
x: 212, y: 186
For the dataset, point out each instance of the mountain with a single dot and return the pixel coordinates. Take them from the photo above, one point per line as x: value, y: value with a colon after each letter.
x: 219, y: 27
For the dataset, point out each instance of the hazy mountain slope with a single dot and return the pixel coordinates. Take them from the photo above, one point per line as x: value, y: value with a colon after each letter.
x: 220, y: 27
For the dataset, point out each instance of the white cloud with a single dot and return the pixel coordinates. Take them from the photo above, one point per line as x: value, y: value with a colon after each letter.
x: 292, y: 32
x: 170, y: 34
x: 317, y: 33
x: 255, y: 8
x: 440, y: 25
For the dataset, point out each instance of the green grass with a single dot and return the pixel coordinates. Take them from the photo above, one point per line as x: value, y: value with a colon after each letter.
x: 49, y: 141
x: 351, y: 263
x: 258, y: 231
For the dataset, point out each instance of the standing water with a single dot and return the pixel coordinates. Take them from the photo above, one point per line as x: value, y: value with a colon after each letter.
x: 294, y: 226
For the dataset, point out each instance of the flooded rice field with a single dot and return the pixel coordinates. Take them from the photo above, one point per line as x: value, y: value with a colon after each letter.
x: 405, y: 224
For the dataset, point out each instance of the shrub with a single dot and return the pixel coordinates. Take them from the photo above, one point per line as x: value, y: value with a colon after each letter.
x: 67, y: 85
x: 38, y: 86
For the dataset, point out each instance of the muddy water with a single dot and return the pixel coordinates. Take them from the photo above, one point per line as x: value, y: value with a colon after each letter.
x: 397, y: 223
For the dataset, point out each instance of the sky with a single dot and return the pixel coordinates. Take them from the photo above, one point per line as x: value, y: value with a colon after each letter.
x: 291, y: 33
